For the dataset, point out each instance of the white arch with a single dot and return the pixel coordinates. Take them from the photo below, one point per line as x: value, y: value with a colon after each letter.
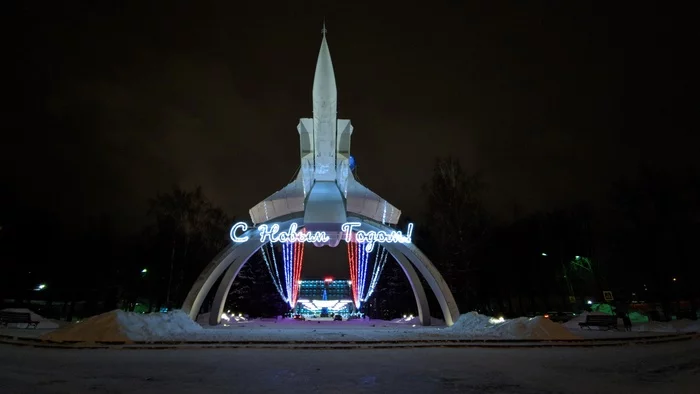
x: 232, y: 259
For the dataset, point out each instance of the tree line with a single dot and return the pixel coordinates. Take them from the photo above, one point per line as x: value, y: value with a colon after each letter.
x: 640, y: 246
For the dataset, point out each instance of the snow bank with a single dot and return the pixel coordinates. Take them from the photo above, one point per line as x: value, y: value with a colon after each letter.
x: 44, y: 323
x: 475, y: 324
x: 120, y: 326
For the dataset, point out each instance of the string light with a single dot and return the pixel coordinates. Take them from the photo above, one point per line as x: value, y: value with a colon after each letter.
x: 379, y: 262
x: 293, y: 256
x: 361, y: 270
x: 275, y: 276
x: 352, y: 261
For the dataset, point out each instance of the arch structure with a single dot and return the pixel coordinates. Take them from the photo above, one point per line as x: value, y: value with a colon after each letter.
x: 228, y: 263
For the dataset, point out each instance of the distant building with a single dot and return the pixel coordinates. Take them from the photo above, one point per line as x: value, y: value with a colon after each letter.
x: 325, y: 297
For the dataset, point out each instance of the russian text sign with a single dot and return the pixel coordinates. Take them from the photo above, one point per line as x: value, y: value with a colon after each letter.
x: 271, y: 233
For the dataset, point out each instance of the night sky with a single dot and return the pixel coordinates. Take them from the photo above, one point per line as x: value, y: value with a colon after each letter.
x: 112, y: 102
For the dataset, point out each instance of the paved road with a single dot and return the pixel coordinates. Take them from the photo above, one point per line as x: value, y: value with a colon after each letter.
x: 670, y: 368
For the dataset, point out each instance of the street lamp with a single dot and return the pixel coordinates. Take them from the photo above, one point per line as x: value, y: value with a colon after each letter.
x: 41, y: 287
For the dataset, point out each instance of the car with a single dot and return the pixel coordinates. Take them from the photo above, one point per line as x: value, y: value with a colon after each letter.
x: 337, y: 318
x: 299, y: 317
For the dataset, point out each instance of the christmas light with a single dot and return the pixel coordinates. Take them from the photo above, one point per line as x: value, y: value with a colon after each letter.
x: 357, y: 260
x: 272, y: 269
x: 372, y: 237
x: 293, y: 256
x: 379, y: 262
x: 352, y: 262
x: 361, y: 270
x: 271, y: 233
x: 288, y: 260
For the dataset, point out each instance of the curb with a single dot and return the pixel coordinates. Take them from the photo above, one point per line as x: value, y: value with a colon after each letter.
x: 331, y: 345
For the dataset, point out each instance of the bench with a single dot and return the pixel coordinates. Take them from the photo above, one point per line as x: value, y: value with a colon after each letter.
x: 17, y: 317
x: 607, y: 321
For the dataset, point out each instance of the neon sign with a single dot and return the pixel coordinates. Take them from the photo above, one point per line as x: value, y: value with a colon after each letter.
x: 271, y: 233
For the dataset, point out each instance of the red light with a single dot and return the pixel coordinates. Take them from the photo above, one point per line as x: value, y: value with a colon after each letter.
x: 329, y: 279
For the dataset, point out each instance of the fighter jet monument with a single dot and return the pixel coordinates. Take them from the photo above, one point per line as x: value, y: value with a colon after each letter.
x: 325, y: 188
x: 325, y: 201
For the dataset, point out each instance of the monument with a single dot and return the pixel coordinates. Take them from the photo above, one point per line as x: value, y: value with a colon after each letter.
x: 324, y: 205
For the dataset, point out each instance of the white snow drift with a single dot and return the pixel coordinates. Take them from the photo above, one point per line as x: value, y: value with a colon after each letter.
x: 120, y: 326
x: 475, y: 324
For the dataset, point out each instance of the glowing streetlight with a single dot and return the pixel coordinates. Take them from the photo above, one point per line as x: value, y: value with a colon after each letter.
x: 144, y: 271
x: 41, y: 287
x: 544, y: 254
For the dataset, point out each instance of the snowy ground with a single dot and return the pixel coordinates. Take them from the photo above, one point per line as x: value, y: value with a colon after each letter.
x: 661, y: 368
x: 346, y: 331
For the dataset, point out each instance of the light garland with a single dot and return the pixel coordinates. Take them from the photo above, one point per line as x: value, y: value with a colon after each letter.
x: 293, y: 256
x: 275, y: 276
x: 362, y: 269
x: 357, y: 260
x: 352, y: 262
x: 379, y: 262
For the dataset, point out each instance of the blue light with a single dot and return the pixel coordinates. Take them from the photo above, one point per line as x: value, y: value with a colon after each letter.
x: 352, y: 163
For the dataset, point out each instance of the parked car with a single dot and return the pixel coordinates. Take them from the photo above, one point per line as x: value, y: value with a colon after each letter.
x: 299, y: 317
x: 337, y: 318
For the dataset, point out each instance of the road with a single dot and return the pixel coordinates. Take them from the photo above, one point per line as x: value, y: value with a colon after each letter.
x: 671, y: 368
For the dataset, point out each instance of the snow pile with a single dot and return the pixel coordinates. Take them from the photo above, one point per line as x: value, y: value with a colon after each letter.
x: 474, y: 324
x: 123, y: 326
x: 573, y: 323
x: 44, y: 323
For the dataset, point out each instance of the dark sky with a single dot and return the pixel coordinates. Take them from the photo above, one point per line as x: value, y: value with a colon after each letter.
x: 111, y: 102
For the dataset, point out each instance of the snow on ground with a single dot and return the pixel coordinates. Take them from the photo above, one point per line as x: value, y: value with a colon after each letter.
x: 118, y: 325
x: 661, y: 368
x: 573, y: 323
x: 44, y: 323
x: 176, y: 326
x: 674, y: 326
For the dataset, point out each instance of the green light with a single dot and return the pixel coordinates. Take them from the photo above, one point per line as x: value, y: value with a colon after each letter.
x: 143, y: 271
